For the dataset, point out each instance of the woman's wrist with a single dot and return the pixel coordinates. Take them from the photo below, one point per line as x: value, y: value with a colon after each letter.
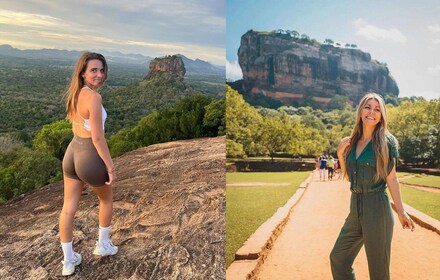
x: 111, y: 169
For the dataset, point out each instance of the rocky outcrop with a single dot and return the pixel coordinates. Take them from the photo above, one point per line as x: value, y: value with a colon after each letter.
x: 168, y: 220
x: 170, y: 64
x: 292, y: 70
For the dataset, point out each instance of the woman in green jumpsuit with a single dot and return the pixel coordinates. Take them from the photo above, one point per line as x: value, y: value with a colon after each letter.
x: 368, y: 158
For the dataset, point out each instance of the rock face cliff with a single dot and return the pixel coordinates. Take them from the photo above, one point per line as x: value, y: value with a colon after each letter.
x: 171, y: 64
x: 168, y: 220
x: 291, y: 70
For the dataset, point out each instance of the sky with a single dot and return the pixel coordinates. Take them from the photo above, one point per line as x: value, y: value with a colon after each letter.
x: 405, y: 34
x: 194, y: 28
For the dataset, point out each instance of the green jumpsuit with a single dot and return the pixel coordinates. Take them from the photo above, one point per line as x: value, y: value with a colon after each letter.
x: 370, y: 221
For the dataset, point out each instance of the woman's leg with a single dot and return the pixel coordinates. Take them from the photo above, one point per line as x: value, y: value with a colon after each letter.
x: 378, y: 232
x: 72, y: 193
x: 104, y: 246
x: 105, y: 196
x: 348, y: 245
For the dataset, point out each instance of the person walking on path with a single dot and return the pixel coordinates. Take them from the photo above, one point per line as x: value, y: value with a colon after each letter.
x: 368, y: 158
x: 87, y: 159
x: 330, y: 165
x: 322, y: 167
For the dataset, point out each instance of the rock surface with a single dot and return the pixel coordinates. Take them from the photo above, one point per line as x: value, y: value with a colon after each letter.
x: 290, y: 69
x: 170, y: 64
x: 168, y: 220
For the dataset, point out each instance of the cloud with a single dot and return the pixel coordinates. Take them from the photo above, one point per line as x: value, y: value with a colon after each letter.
x: 375, y: 33
x: 434, y: 70
x: 27, y: 19
x: 195, y: 28
x: 233, y: 71
x: 434, y: 28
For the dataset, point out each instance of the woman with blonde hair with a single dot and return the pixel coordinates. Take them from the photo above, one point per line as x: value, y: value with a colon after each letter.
x: 87, y: 159
x: 368, y: 158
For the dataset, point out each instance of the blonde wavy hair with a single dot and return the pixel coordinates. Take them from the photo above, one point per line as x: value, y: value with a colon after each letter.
x: 77, y: 81
x: 379, y: 138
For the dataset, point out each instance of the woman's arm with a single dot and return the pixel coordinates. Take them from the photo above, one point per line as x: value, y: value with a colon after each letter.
x: 345, y: 142
x: 394, y: 186
x: 98, y: 137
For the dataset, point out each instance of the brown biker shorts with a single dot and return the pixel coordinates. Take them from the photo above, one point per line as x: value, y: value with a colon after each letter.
x: 82, y: 162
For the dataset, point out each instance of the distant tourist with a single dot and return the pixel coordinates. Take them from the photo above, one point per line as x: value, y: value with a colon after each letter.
x: 368, y: 158
x: 337, y: 169
x: 322, y: 167
x: 330, y: 165
x: 87, y: 159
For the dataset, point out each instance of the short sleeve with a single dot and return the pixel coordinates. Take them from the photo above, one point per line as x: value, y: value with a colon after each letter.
x: 393, y: 148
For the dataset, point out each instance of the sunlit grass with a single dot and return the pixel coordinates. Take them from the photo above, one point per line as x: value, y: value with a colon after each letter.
x: 426, y: 202
x: 249, y: 207
x: 424, y: 180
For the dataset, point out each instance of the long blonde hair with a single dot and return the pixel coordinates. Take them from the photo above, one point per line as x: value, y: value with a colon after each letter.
x: 77, y: 81
x: 379, y: 138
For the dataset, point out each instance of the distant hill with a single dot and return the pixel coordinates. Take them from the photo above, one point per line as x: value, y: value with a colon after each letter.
x: 66, y: 55
x: 200, y: 66
x: 197, y: 66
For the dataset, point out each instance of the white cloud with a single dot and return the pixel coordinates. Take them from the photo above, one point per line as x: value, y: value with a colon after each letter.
x: 434, y: 28
x: 194, y: 28
x: 434, y: 70
x: 375, y: 33
x: 27, y: 19
x: 233, y: 71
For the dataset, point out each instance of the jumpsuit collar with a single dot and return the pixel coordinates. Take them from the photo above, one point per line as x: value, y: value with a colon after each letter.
x: 363, y: 150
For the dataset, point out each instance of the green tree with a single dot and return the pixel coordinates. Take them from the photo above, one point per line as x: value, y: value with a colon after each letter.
x: 214, y: 120
x: 54, y: 138
x: 338, y: 102
x: 242, y: 122
x: 416, y: 125
x: 314, y: 143
x: 234, y: 149
x: 275, y: 136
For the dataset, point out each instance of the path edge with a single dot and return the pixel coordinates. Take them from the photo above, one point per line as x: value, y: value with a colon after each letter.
x: 250, y: 257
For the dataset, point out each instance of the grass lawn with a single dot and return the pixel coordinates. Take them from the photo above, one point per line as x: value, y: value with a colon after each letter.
x: 425, y: 180
x: 402, y: 174
x: 426, y: 202
x: 249, y: 207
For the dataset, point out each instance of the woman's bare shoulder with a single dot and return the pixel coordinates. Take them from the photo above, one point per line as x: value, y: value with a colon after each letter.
x: 91, y: 95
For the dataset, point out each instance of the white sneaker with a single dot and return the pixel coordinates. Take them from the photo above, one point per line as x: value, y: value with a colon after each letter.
x: 69, y: 266
x: 105, y: 249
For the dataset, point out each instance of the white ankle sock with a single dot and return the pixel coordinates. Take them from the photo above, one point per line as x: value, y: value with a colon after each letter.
x: 104, y: 234
x: 67, y: 250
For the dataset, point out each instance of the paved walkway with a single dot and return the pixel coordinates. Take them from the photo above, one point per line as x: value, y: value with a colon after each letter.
x: 302, y: 250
